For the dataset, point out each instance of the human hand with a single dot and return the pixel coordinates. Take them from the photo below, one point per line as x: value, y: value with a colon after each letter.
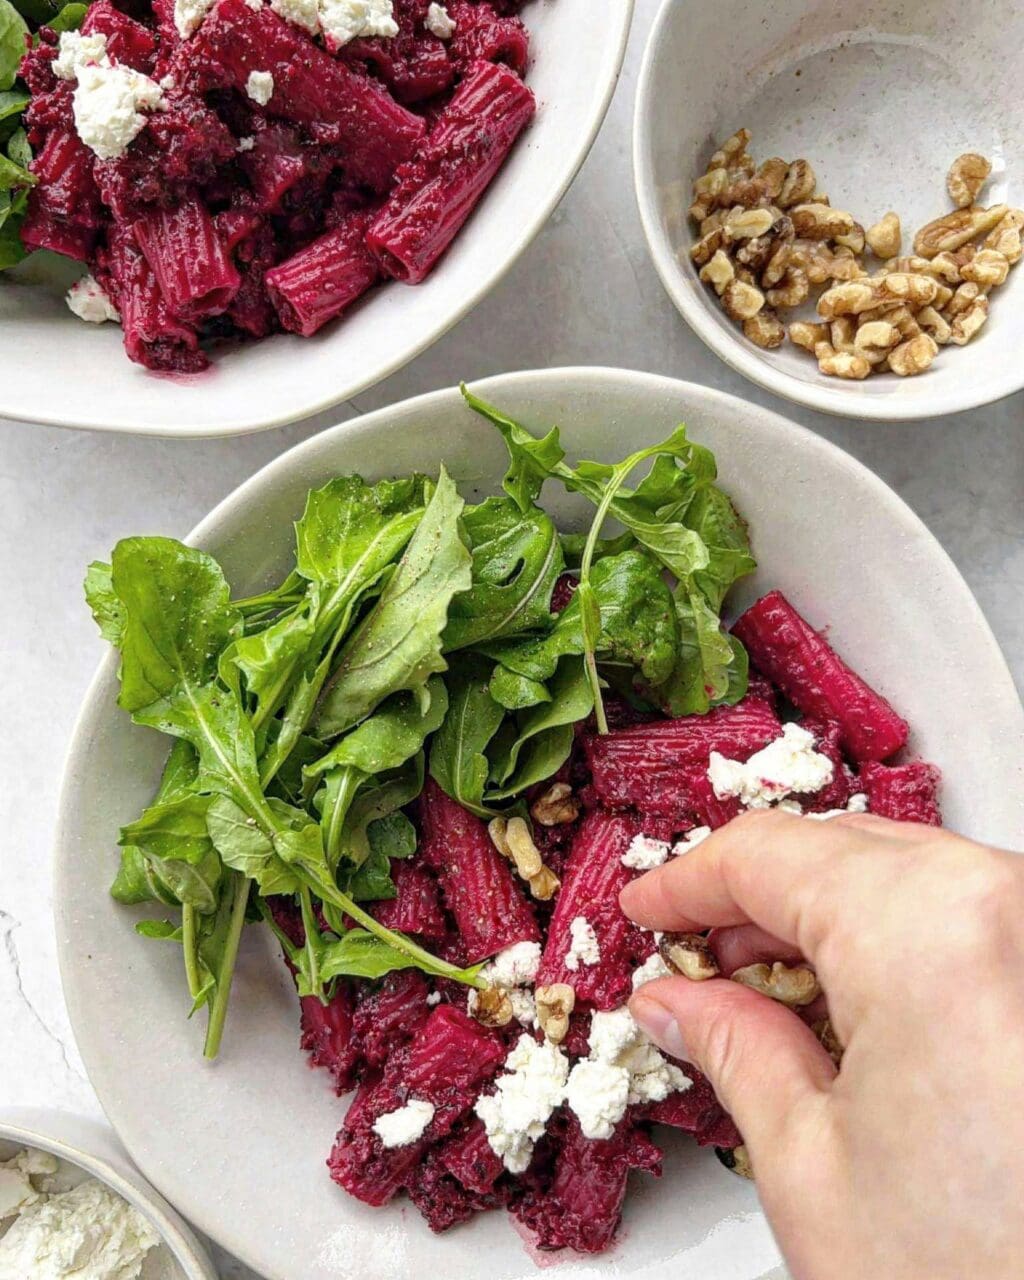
x: 907, y: 1164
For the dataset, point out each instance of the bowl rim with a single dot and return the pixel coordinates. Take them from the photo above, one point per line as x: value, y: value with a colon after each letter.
x: 37, y: 1128
x: 727, y: 344
x: 564, y: 379
x: 520, y: 240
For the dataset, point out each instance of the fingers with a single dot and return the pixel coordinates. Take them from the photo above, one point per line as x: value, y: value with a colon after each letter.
x: 737, y: 946
x: 789, y: 875
x: 764, y: 1063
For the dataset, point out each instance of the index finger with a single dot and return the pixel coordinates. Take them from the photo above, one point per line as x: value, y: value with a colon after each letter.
x: 769, y: 868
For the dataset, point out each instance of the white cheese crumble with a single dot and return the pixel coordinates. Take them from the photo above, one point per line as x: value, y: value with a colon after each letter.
x: 108, y: 104
x: 598, y: 1092
x: 788, y: 764
x: 345, y: 20
x: 303, y: 13
x: 644, y: 854
x: 189, y: 14
x: 87, y: 1233
x: 23, y: 1180
x: 439, y: 22
x: 653, y: 967
x: 690, y: 841
x: 246, y: 144
x: 260, y: 86
x: 167, y: 83
x: 584, y: 947
x: 407, y: 1124
x: 524, y: 1006
x: 434, y: 998
x: 516, y: 1114
x: 856, y: 804
x: 516, y: 966
x: 76, y: 50
x: 89, y: 301
x: 254, y: 5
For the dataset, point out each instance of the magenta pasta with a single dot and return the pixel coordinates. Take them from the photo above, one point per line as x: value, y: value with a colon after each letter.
x: 233, y: 169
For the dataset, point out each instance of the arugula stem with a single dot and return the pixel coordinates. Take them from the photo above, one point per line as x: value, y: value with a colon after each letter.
x: 188, y: 943
x: 312, y: 931
x: 587, y: 559
x: 219, y: 1007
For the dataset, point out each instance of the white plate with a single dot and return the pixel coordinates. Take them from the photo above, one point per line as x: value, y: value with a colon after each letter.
x: 59, y: 370
x: 880, y: 98
x: 240, y: 1146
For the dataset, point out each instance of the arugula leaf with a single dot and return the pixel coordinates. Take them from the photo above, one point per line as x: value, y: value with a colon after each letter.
x: 12, y: 215
x: 458, y: 763
x: 13, y: 175
x: 514, y: 691
x: 13, y: 33
x: 135, y: 882
x: 398, y: 645
x: 638, y: 619
x: 545, y: 734
x: 531, y: 460
x: 70, y: 17
x: 517, y: 559
x: 246, y: 847
x: 176, y: 849
x: 104, y: 603
x: 13, y: 102
x: 268, y: 658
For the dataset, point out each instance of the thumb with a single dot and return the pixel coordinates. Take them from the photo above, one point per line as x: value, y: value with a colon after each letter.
x: 765, y: 1065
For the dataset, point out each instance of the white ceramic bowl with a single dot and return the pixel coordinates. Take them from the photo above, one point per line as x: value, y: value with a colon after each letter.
x: 58, y: 370
x: 240, y: 1145
x: 880, y: 98
x: 86, y: 1149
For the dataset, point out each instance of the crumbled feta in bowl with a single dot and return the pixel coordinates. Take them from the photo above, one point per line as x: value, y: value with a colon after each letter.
x: 72, y: 1207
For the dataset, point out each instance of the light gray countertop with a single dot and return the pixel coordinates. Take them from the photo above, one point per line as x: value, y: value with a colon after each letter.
x: 584, y: 293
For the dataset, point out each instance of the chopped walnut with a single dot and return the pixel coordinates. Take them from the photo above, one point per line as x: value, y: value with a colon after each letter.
x: 849, y: 298
x: 555, y: 806
x: 707, y: 246
x: 730, y: 150
x: 842, y: 364
x: 967, y: 323
x: 821, y: 221
x: 954, y: 229
x: 798, y: 184
x: 807, y: 335
x: 794, y: 986
x: 765, y: 329
x: 1005, y: 236
x: 544, y: 885
x: 689, y: 954
x: 914, y: 356
x: 736, y: 1160
x: 744, y: 224
x: 907, y: 286
x: 773, y: 174
x: 491, y: 1007
x: 880, y: 334
x: 841, y: 332
x: 793, y: 289
x: 525, y: 853
x: 967, y: 175
x: 496, y: 829
x: 852, y: 240
x: 741, y: 301
x: 885, y: 237
x: 988, y: 268
x: 830, y: 1042
x: 935, y: 323
x: 964, y: 298
x: 554, y: 1005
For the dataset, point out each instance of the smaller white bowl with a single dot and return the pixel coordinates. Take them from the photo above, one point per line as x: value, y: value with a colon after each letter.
x: 880, y: 98
x: 84, y: 1147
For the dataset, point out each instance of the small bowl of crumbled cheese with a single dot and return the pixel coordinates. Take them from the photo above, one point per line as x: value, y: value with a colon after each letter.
x: 72, y: 1207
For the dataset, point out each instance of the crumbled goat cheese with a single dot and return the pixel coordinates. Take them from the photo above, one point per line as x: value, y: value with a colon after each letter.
x: 598, y: 1092
x: 260, y: 87
x: 247, y: 143
x: 791, y: 806
x: 516, y: 1114
x: 516, y: 966
x: 584, y: 947
x: 788, y: 764
x: 690, y: 841
x: 88, y: 1233
x: 108, y: 103
x: 254, y: 5
x: 644, y: 853
x: 89, y: 301
x: 616, y: 1039
x: 653, y: 967
x: 76, y: 50
x: 434, y: 998
x: 344, y: 20
x: 524, y: 1006
x: 407, y: 1124
x: 303, y: 13
x: 167, y: 83
x: 189, y: 14
x: 439, y: 22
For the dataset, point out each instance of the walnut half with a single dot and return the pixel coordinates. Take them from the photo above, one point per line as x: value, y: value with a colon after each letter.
x: 554, y: 1005
x: 689, y: 954
x: 792, y: 986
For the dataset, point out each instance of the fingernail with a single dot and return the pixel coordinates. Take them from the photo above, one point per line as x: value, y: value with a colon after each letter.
x: 661, y: 1026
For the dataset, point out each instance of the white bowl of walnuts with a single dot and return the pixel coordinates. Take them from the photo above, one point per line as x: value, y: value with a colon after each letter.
x: 838, y: 210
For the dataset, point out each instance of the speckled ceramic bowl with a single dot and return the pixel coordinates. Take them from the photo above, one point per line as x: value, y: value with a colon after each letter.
x: 880, y: 98
x: 86, y: 1149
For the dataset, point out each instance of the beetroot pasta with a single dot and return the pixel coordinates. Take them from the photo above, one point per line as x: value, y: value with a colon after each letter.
x: 271, y: 160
